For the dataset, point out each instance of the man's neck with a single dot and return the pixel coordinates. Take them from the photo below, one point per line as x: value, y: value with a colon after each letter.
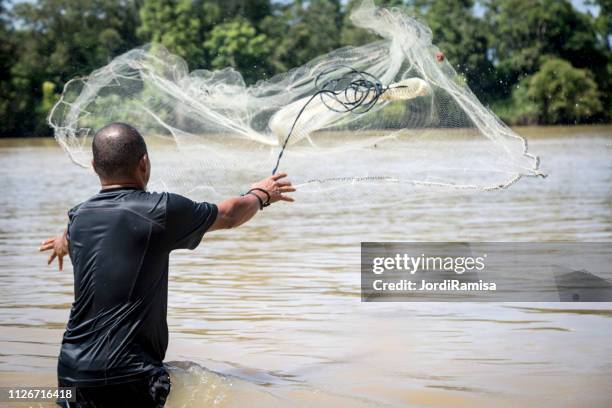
x: 109, y: 185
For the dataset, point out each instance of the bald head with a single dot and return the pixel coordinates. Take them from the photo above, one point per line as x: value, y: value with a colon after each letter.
x: 117, y: 150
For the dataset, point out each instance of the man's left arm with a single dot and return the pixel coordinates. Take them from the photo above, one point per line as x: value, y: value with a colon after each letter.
x: 59, y: 247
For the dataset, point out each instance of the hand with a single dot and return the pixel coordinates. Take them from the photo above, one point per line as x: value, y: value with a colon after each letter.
x: 59, y: 245
x: 275, y: 187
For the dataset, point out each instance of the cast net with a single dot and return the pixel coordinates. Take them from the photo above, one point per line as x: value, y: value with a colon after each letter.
x: 389, y: 114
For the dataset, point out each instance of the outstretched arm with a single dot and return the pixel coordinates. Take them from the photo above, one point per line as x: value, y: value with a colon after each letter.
x: 59, y: 247
x: 235, y: 211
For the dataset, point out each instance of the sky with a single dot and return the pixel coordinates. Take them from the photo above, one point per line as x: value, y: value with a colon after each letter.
x: 578, y: 4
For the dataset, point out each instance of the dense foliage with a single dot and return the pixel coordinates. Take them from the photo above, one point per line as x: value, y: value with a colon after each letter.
x: 532, y: 61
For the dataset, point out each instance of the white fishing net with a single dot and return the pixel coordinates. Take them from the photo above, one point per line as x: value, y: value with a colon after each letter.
x: 391, y: 115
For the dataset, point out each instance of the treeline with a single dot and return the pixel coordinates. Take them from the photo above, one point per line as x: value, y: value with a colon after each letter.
x: 531, y: 61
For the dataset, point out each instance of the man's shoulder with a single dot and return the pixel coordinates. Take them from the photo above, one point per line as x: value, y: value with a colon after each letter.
x: 74, y: 209
x: 151, y: 205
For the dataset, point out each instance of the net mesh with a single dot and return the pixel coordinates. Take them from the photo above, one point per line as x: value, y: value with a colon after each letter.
x: 390, y: 113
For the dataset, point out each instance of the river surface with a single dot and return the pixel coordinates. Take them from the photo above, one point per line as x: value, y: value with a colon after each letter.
x: 270, y: 314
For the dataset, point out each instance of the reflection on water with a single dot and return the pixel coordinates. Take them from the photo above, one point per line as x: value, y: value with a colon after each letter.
x: 273, y: 311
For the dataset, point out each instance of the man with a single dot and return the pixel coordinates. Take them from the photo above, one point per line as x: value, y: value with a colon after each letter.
x: 119, y: 242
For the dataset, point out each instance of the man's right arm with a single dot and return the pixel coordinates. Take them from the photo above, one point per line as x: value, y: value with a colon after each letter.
x: 235, y: 211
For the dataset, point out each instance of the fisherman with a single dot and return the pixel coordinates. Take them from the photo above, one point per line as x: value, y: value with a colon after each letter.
x: 119, y: 242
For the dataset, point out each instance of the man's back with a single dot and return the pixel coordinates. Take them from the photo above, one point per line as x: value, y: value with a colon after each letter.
x: 120, y: 241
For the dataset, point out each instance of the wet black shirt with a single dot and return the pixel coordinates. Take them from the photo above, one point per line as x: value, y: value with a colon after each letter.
x: 119, y: 241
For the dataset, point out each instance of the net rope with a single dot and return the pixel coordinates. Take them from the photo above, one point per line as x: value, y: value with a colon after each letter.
x: 358, y: 96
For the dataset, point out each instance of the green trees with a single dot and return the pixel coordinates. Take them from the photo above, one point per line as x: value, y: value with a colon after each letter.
x: 557, y: 93
x: 351, y: 35
x: 237, y: 44
x: 54, y: 40
x: 7, y: 92
x: 522, y: 32
x: 302, y: 30
x: 534, y: 61
x: 179, y: 25
x: 526, y: 37
x: 603, y: 22
x: 459, y: 33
